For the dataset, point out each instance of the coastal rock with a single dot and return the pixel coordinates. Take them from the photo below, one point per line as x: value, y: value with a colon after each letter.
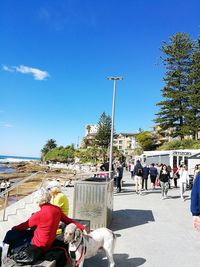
x: 25, y: 169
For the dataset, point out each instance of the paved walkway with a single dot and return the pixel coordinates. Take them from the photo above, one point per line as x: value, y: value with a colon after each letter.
x: 152, y: 232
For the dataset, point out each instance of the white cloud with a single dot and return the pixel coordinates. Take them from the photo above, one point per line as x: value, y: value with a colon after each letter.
x: 6, y: 68
x: 8, y: 125
x: 37, y: 74
x: 5, y: 124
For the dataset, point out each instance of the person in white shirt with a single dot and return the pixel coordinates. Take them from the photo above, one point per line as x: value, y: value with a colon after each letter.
x: 184, y: 180
x: 132, y: 165
x: 196, y: 171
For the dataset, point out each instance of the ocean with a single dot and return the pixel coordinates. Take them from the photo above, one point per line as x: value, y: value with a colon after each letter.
x: 4, y: 160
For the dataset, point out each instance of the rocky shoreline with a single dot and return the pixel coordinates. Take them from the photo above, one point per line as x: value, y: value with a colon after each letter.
x: 25, y: 169
x: 40, y: 175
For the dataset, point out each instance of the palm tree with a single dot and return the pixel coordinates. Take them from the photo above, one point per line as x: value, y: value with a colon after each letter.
x: 51, y: 144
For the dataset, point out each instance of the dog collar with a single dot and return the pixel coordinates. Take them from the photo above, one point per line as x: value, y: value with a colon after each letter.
x: 73, y: 242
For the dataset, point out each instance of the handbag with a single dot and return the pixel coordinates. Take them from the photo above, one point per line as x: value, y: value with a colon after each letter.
x: 28, y: 254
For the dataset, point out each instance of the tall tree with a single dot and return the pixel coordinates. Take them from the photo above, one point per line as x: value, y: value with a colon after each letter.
x: 177, y: 60
x: 193, y: 114
x: 102, y: 138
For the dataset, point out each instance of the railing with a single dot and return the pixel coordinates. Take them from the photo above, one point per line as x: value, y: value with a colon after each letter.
x: 5, y: 194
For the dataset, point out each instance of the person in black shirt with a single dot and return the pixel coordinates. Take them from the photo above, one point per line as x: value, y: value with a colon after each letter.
x: 119, y: 169
x: 138, y: 173
x: 164, y: 180
x: 145, y: 177
x: 153, y: 175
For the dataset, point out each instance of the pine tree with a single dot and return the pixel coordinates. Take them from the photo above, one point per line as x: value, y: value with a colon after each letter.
x: 177, y: 60
x: 193, y: 114
x: 102, y: 138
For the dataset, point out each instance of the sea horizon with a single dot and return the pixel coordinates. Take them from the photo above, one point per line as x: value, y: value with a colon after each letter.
x: 5, y: 168
x: 5, y: 157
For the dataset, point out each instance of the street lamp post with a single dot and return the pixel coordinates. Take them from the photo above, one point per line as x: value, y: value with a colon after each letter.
x: 112, y: 123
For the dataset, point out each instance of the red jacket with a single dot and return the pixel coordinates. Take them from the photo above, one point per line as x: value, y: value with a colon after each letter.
x: 46, y: 222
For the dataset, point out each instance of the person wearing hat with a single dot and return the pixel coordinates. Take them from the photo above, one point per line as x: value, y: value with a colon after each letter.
x: 57, y: 197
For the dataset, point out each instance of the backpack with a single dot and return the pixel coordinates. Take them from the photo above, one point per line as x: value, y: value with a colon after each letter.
x: 153, y: 171
x: 139, y: 172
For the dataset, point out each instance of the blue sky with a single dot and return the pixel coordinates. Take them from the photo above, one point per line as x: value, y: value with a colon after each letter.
x: 55, y: 57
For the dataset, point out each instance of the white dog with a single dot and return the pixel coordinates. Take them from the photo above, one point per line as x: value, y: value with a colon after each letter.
x: 86, y: 246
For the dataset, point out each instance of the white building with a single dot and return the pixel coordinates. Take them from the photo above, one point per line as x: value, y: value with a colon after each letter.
x: 91, y: 129
x: 126, y: 143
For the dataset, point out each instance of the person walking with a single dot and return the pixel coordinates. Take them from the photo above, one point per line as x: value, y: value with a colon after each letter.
x: 120, y: 169
x: 169, y: 168
x: 153, y: 175
x: 196, y: 171
x: 195, y: 202
x: 138, y: 173
x: 164, y: 178
x: 184, y: 180
x: 132, y: 166
x: 175, y: 175
x: 145, y: 177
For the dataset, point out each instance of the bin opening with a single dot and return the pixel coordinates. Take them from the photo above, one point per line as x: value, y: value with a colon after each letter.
x: 96, y: 179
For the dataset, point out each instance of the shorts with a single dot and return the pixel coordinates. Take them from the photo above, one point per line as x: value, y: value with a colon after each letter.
x: 153, y: 179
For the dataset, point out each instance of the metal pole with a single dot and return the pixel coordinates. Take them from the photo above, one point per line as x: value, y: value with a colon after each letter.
x: 112, y: 123
x: 5, y: 205
x: 112, y: 130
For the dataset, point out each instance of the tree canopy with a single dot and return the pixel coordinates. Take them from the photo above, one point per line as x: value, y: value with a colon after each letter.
x: 102, y: 138
x: 178, y: 62
x: 145, y: 140
x: 50, y: 144
x: 61, y: 154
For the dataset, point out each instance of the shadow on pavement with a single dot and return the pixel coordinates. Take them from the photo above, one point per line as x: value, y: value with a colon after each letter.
x: 173, y: 197
x: 156, y: 191
x: 127, y: 192
x: 128, y: 184
x: 128, y: 218
x: 121, y: 260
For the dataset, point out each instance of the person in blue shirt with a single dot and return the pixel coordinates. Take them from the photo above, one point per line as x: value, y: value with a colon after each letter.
x: 195, y: 202
x: 153, y: 175
x: 145, y: 177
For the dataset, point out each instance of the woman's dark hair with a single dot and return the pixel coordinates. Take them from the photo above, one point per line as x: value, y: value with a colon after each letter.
x: 164, y: 165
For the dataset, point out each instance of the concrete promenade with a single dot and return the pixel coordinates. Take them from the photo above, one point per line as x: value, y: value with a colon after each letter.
x: 152, y: 232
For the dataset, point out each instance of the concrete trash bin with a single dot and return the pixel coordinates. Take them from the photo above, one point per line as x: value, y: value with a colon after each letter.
x: 93, y: 200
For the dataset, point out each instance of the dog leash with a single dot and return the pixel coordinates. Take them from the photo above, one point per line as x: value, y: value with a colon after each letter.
x: 79, y: 260
x: 83, y: 251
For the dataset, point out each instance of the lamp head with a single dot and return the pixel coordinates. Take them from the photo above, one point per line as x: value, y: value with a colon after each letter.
x: 115, y: 78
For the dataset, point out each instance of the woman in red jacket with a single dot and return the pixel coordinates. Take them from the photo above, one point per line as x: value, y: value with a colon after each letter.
x: 40, y: 229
